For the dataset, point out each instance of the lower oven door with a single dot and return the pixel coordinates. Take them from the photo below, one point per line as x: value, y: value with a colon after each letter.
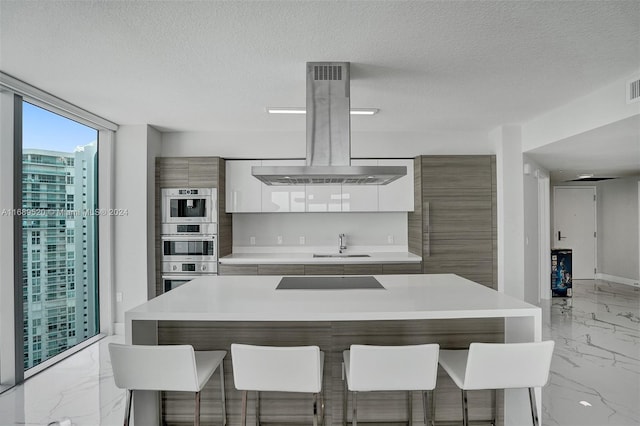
x: 169, y: 282
x: 189, y: 248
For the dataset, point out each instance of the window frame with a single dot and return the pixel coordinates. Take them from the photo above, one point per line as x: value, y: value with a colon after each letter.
x: 12, y: 93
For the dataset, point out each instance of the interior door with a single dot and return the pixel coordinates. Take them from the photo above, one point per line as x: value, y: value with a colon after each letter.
x: 575, y: 226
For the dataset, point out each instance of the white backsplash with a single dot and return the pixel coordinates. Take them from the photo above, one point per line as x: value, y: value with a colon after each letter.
x: 283, y: 232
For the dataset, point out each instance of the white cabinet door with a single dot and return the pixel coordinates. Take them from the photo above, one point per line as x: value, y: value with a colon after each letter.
x: 244, y: 192
x: 360, y: 198
x: 283, y: 198
x: 397, y: 196
x: 324, y: 198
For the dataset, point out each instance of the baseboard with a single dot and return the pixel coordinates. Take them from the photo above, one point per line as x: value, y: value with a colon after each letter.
x: 619, y: 280
x: 118, y: 328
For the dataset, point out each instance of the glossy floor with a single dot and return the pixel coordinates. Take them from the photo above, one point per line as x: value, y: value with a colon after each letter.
x: 595, y: 377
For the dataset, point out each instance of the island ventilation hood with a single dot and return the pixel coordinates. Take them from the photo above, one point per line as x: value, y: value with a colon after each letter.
x: 328, y: 137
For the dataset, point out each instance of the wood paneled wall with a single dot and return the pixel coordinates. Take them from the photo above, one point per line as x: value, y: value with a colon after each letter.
x: 332, y: 338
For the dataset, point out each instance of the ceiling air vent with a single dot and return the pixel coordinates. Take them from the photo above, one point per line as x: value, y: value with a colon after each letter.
x: 590, y: 179
x: 633, y: 90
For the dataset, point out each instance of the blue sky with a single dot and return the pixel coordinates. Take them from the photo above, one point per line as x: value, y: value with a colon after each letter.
x: 42, y: 129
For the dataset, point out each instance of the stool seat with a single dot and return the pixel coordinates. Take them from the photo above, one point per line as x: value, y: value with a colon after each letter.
x: 390, y: 368
x: 278, y: 369
x: 499, y: 366
x: 165, y: 368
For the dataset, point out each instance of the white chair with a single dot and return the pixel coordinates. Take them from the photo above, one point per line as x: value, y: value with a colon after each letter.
x: 390, y: 368
x: 499, y: 366
x: 165, y: 368
x: 278, y: 369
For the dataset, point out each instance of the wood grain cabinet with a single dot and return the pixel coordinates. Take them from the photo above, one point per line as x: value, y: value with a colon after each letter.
x: 320, y: 269
x: 457, y: 216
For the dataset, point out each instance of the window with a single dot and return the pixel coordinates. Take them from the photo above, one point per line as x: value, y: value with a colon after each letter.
x: 51, y: 146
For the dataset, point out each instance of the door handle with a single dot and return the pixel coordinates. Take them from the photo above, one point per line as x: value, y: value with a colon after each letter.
x: 560, y: 237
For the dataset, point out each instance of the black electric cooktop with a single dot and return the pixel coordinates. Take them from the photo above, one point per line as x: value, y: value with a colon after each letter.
x: 328, y: 283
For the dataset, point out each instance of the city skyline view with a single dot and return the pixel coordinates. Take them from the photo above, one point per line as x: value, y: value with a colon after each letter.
x: 59, y: 254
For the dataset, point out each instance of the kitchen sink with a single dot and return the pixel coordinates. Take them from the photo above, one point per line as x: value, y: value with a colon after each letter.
x: 341, y: 255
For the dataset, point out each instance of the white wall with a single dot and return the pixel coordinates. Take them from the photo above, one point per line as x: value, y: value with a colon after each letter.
x: 135, y: 149
x: 532, y: 277
x: 617, y: 227
x: 618, y: 254
x: 320, y: 231
x: 601, y: 107
x: 242, y: 144
x: 510, y: 205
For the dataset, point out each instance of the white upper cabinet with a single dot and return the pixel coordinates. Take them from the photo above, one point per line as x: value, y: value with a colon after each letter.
x: 324, y: 198
x: 283, y: 198
x: 246, y: 194
x: 397, y: 196
x: 360, y: 198
x: 243, y: 191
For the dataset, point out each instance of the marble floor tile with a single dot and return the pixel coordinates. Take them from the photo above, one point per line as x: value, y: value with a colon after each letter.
x: 596, y: 358
x: 78, y: 391
x: 596, y: 361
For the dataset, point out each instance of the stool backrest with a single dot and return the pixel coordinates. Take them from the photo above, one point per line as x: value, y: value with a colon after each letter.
x: 508, y: 365
x: 269, y: 368
x: 138, y: 367
x: 413, y: 367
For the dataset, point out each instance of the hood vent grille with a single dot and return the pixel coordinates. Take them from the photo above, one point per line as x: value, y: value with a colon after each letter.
x: 327, y: 72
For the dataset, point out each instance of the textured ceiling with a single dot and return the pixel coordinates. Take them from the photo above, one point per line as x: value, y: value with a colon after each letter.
x: 434, y: 67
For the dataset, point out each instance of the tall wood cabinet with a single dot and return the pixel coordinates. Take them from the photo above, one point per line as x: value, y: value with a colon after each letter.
x: 195, y: 172
x: 454, y: 229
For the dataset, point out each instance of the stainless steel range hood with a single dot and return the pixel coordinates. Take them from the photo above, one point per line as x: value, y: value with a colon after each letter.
x: 328, y: 137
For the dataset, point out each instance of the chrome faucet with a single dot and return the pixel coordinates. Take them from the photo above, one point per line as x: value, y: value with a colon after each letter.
x: 342, y: 240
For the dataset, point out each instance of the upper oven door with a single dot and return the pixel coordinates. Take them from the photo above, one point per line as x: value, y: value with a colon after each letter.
x: 189, y: 248
x: 189, y: 205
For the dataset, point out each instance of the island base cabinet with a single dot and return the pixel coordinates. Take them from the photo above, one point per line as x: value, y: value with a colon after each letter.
x: 332, y: 338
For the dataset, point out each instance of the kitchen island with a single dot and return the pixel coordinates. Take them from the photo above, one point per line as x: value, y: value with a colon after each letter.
x: 213, y: 312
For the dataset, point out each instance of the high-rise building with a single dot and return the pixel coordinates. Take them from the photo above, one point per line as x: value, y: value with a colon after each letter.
x: 59, y: 233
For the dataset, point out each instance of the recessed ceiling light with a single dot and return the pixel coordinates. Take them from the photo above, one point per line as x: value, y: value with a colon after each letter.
x: 584, y: 403
x: 585, y: 176
x: 300, y: 110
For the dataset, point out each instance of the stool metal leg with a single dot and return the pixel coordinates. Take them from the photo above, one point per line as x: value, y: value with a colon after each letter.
x: 345, y: 395
x: 243, y: 414
x: 196, y: 421
x: 432, y: 400
x: 224, y: 400
x: 127, y: 408
x: 257, y: 408
x: 534, y: 409
x: 315, y: 409
x: 426, y: 408
x: 465, y: 409
x: 354, y: 402
x: 494, y: 405
x: 410, y: 402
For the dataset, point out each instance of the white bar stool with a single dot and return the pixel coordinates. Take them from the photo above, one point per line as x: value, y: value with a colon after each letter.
x: 390, y: 368
x: 499, y: 366
x: 278, y: 369
x: 165, y: 368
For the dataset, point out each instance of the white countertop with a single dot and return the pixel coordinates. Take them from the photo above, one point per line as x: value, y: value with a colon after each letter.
x: 307, y: 258
x: 255, y: 298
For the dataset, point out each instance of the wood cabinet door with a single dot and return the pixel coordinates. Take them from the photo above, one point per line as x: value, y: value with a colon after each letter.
x: 458, y: 211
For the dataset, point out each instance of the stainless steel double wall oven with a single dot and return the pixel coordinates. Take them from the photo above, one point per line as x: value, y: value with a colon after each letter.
x: 189, y: 234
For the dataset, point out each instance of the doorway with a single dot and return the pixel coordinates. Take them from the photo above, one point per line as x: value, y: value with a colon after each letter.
x: 574, y: 227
